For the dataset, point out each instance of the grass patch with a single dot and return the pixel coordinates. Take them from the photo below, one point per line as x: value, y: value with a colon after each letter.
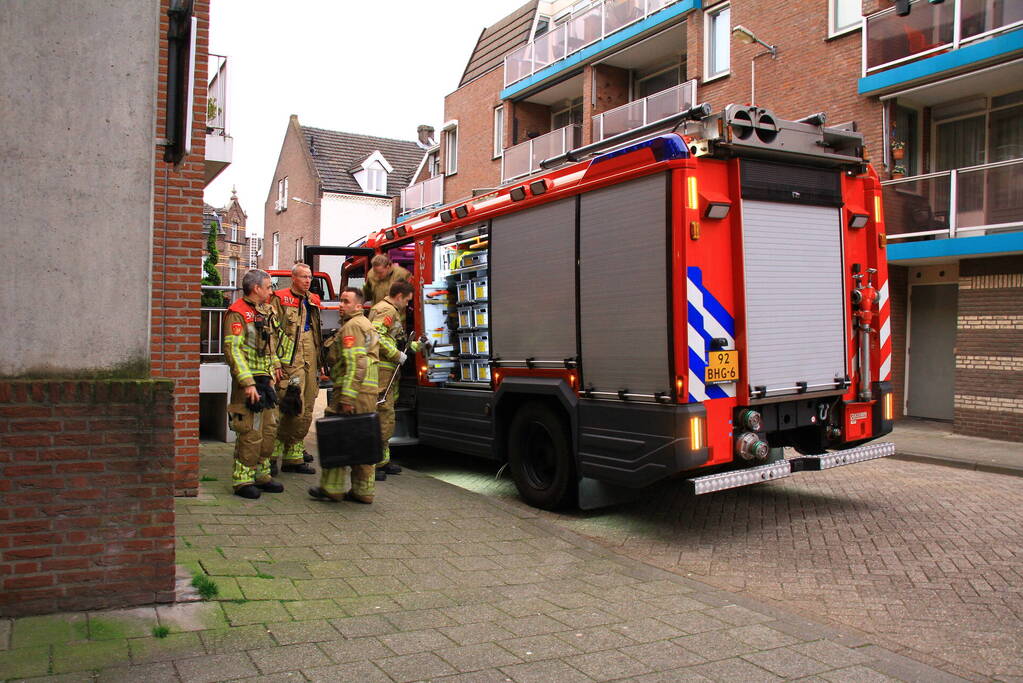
x: 221, y: 551
x: 240, y: 601
x: 207, y: 477
x: 161, y: 631
x: 205, y: 586
x: 262, y: 575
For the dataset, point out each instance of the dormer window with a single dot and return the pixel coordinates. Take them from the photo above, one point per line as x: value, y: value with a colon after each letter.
x: 372, y: 172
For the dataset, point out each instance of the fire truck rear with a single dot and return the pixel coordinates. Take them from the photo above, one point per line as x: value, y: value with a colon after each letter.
x: 684, y: 306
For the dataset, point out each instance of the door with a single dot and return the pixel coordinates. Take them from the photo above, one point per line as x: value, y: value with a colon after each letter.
x: 932, y: 337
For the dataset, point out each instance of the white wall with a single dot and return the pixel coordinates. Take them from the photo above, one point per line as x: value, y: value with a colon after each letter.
x: 77, y: 116
x: 345, y: 219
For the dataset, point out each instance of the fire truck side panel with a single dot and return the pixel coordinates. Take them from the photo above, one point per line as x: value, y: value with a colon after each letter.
x: 624, y: 296
x: 712, y: 296
x: 533, y: 284
x: 456, y: 419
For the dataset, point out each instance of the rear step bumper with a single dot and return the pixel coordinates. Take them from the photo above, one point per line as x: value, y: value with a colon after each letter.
x: 785, y: 468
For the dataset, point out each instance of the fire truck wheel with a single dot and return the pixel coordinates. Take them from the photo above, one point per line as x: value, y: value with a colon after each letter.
x: 540, y: 457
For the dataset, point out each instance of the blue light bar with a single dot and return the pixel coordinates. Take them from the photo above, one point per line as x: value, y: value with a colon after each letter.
x: 664, y: 147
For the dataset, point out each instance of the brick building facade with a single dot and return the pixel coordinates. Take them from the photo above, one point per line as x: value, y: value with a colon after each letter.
x: 564, y: 75
x: 236, y: 250
x: 96, y: 441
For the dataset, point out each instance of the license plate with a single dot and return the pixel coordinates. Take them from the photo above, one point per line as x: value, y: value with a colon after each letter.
x: 722, y: 367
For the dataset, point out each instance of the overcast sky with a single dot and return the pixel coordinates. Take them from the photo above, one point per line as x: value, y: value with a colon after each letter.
x: 376, y: 68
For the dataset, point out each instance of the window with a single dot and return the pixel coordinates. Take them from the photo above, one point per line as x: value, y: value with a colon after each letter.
x: 498, y: 132
x: 299, y: 244
x: 232, y: 272
x: 276, y: 254
x: 376, y: 180
x: 718, y: 28
x: 649, y: 84
x: 570, y: 114
x: 282, y: 194
x: 451, y: 151
x: 433, y: 164
x: 844, y: 15
x: 543, y: 24
x: 234, y: 232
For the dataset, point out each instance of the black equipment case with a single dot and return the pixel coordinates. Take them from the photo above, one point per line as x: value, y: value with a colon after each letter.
x: 349, y: 440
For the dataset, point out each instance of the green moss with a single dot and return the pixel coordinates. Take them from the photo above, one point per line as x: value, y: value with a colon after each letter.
x: 161, y: 631
x: 137, y: 368
x: 206, y: 587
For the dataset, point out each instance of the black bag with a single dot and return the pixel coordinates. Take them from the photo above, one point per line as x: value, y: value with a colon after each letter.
x: 349, y: 440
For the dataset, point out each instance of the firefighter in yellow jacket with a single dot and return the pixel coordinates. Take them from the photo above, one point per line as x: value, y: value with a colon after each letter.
x: 387, y: 316
x: 250, y: 348
x: 382, y: 274
x: 353, y: 355
x: 299, y: 312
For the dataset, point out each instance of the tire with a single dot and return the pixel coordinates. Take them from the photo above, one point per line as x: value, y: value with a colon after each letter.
x: 540, y: 457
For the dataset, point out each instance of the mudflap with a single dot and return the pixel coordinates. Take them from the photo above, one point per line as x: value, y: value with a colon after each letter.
x: 405, y: 431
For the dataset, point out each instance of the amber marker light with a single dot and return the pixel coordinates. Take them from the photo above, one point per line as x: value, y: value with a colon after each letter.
x: 889, y: 407
x: 695, y: 433
x: 877, y: 208
x: 693, y: 194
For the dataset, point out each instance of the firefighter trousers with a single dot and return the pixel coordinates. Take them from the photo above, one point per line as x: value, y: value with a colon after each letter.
x: 253, y: 445
x: 293, y: 428
x: 363, y: 477
x: 386, y: 412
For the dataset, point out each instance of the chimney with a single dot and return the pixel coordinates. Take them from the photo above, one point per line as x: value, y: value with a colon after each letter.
x: 425, y: 134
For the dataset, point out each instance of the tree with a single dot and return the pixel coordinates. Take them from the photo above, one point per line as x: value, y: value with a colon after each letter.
x: 210, y: 297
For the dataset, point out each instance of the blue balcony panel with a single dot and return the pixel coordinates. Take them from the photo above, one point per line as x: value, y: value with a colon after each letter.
x: 613, y: 40
x: 944, y: 63
x: 960, y: 247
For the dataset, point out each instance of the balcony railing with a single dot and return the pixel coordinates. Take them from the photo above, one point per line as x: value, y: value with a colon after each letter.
x: 647, y: 110
x: 584, y: 28
x: 524, y: 158
x: 963, y: 202
x: 890, y: 40
x: 422, y: 195
x: 211, y: 326
x: 216, y: 98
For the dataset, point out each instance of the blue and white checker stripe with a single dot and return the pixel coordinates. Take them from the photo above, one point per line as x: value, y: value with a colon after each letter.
x: 707, y: 319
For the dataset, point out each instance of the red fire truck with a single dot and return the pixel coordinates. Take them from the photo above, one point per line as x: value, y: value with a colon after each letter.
x: 681, y: 306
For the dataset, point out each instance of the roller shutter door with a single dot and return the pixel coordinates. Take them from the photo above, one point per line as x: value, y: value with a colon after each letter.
x: 623, y: 296
x: 532, y: 283
x: 795, y: 307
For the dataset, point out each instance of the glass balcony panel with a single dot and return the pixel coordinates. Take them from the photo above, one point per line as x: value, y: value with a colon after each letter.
x: 518, y: 64
x: 917, y: 205
x: 216, y: 116
x: 543, y: 51
x: 423, y: 194
x: 981, y: 16
x: 620, y: 13
x: 635, y: 114
x: 516, y: 160
x: 621, y: 119
x: 990, y: 195
x: 891, y: 38
x: 433, y: 191
x: 584, y: 29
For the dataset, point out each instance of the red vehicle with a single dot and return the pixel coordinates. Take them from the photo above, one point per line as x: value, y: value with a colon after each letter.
x: 683, y: 307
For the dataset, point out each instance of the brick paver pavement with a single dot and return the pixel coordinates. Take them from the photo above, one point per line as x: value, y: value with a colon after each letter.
x: 431, y: 582
x: 926, y: 559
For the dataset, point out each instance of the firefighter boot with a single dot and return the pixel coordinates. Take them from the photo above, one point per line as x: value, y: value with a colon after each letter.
x: 363, y: 484
x: 332, y: 485
x: 294, y: 461
x: 264, y: 480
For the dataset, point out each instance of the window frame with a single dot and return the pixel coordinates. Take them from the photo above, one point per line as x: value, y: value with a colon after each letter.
x: 232, y: 272
x: 451, y: 150
x: 833, y: 31
x: 276, y: 251
x: 299, y: 245
x: 710, y: 15
x: 498, y: 131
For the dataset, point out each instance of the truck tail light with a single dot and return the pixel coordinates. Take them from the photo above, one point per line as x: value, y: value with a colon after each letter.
x: 696, y: 440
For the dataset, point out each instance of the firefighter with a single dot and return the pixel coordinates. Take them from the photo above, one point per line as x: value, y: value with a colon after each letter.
x: 299, y: 312
x: 353, y: 355
x: 387, y: 316
x: 381, y: 276
x: 250, y: 348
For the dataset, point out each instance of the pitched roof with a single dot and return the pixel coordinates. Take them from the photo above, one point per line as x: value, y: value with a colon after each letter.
x: 498, y: 40
x: 334, y: 153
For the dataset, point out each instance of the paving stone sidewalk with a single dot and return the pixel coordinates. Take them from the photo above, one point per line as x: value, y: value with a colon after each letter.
x: 432, y: 582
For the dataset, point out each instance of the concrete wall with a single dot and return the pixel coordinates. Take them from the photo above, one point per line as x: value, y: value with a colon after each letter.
x: 78, y: 82
x: 346, y: 218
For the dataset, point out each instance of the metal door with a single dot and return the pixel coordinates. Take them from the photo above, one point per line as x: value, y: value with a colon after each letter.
x: 932, y: 338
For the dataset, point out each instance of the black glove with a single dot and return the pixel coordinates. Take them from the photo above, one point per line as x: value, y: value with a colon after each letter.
x: 291, y: 404
x: 267, y: 395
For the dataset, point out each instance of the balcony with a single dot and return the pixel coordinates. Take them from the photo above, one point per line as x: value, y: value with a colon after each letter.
x: 964, y: 202
x: 219, y: 145
x: 647, y: 110
x: 524, y: 158
x: 583, y: 29
x: 422, y: 195
x: 890, y: 41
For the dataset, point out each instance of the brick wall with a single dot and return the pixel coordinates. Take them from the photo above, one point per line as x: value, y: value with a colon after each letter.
x: 473, y: 106
x: 86, y: 495
x: 606, y: 87
x: 298, y: 220
x: 989, y: 349
x: 178, y: 244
